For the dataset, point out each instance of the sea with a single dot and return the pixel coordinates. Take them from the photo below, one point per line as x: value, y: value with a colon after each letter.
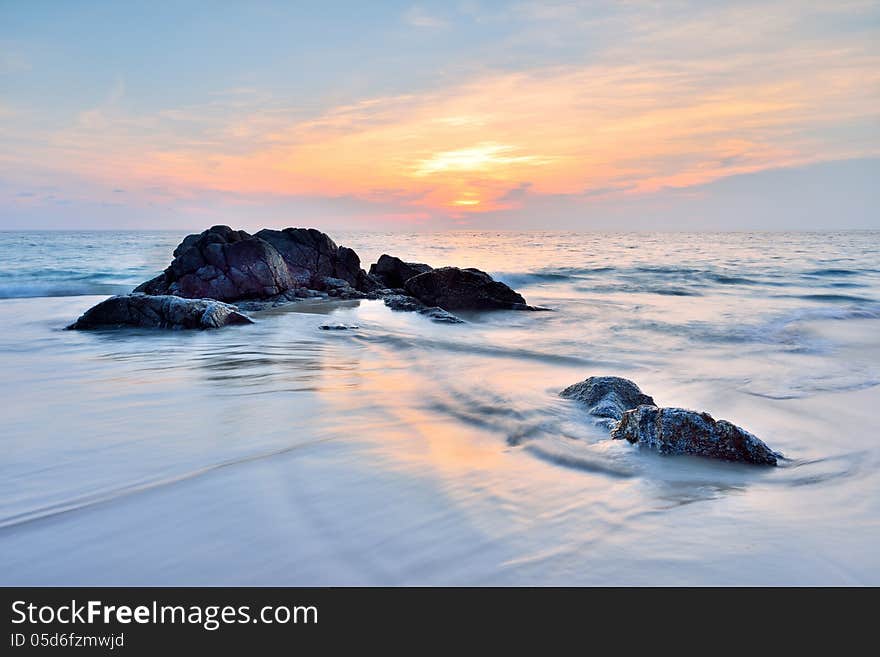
x: 407, y: 452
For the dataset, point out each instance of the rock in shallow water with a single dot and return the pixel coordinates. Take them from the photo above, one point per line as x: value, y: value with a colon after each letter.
x: 228, y: 265
x: 452, y: 288
x: 159, y: 311
x: 607, y: 397
x: 274, y: 267
x: 407, y: 303
x: 393, y: 272
x: 680, y: 431
x: 632, y: 415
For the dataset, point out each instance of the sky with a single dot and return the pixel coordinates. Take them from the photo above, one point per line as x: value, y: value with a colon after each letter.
x: 451, y: 115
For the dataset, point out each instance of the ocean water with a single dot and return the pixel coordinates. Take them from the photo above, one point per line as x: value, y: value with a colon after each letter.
x: 409, y: 452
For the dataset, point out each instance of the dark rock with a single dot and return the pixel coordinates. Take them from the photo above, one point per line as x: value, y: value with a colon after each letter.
x: 156, y: 285
x: 452, y: 288
x: 283, y: 299
x: 338, y: 327
x: 312, y: 256
x: 163, y: 311
x: 330, y: 283
x: 407, y: 303
x: 607, y: 397
x: 680, y: 431
x: 230, y: 265
x: 341, y: 289
x: 273, y: 267
x: 393, y: 272
x: 350, y: 293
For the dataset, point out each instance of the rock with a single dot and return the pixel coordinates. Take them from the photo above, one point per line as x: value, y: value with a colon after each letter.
x: 283, y: 299
x: 311, y: 256
x: 680, y: 431
x: 607, y: 397
x: 273, y: 267
x: 340, y: 289
x: 157, y: 285
x: 393, y: 272
x: 163, y: 311
x: 338, y: 327
x: 230, y: 265
x: 403, y: 302
x: 407, y: 303
x: 452, y: 288
x: 331, y: 283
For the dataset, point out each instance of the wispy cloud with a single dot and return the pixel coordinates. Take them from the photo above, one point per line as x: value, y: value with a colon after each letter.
x: 418, y: 17
x: 693, y: 94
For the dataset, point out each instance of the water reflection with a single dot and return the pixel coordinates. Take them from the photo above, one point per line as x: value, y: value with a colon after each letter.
x: 413, y: 452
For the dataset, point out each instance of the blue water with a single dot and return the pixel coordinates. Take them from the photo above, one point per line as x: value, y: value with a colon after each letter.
x: 408, y: 452
x: 60, y: 264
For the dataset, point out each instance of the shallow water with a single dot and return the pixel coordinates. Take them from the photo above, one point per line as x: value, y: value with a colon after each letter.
x: 408, y: 452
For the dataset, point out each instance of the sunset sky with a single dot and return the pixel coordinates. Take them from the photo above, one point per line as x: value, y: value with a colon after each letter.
x: 393, y: 115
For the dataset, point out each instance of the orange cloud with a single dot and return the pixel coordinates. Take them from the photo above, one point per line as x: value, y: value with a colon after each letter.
x: 463, y: 148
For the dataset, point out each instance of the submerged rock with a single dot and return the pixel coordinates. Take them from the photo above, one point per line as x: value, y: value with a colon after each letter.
x: 452, y: 288
x: 393, y: 272
x: 283, y: 299
x: 338, y: 327
x: 607, y: 397
x: 162, y: 311
x: 341, y: 289
x: 407, y: 303
x: 228, y: 265
x: 632, y: 415
x: 680, y: 431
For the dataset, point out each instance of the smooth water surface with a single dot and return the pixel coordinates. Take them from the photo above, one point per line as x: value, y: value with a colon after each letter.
x: 409, y: 452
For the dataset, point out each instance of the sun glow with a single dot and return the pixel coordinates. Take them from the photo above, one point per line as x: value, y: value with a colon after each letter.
x: 582, y: 133
x: 483, y: 158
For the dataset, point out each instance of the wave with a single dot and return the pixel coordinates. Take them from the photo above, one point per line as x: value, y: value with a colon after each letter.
x: 783, y: 330
x: 869, y: 311
x: 60, y: 289
x: 499, y: 351
x: 672, y: 292
x: 582, y: 459
x: 802, y: 389
x: 666, y: 269
x: 630, y: 288
x: 724, y: 279
x: 849, y: 284
x: 548, y: 275
x: 643, y: 278
x: 832, y: 298
x: 530, y: 278
x: 89, y: 500
x: 834, y: 272
x: 653, y: 279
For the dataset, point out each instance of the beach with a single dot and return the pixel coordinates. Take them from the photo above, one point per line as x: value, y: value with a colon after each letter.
x: 404, y: 452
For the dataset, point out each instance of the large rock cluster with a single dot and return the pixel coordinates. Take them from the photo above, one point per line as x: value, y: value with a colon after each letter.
x: 273, y: 267
x: 229, y: 265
